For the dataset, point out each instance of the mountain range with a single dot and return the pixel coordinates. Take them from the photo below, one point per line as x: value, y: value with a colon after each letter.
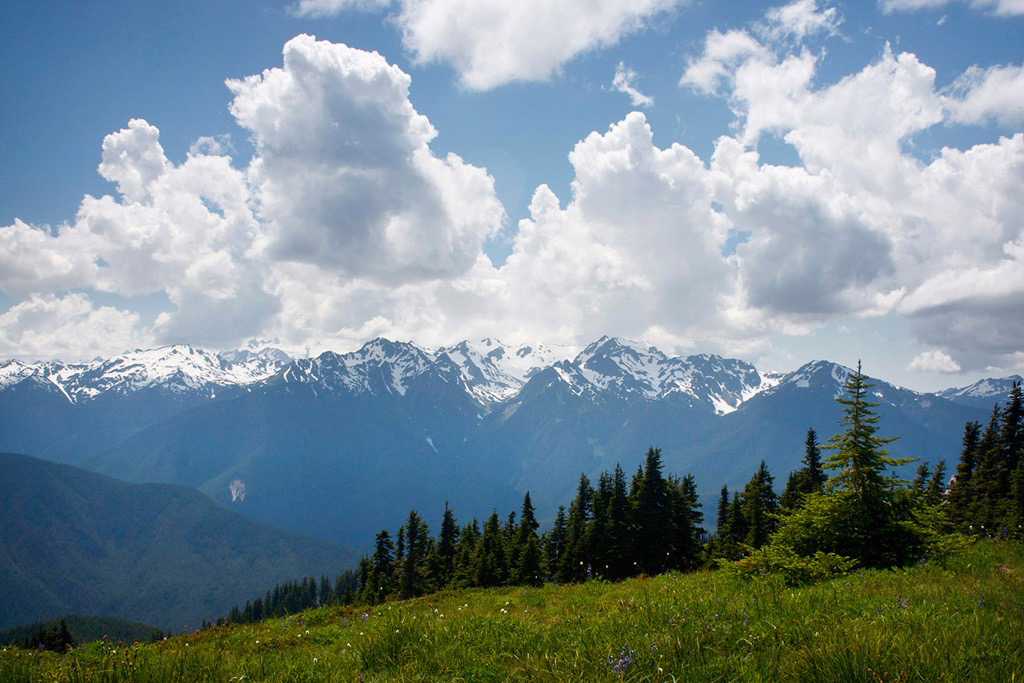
x: 342, y: 445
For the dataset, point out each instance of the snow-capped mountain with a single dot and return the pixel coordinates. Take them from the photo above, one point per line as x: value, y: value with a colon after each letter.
x: 493, y: 372
x: 177, y: 369
x: 623, y: 369
x: 984, y: 393
x: 379, y: 367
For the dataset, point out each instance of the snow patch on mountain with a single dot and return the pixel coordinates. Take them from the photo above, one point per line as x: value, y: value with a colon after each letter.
x: 984, y: 391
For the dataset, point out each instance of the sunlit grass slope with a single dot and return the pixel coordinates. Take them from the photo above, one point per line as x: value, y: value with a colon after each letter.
x: 960, y: 622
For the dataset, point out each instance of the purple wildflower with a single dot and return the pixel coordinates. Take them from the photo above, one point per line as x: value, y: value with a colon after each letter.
x: 623, y: 661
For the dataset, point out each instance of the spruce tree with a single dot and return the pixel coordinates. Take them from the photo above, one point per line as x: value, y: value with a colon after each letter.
x: 759, y: 507
x: 921, y: 479
x: 961, y: 489
x: 554, y: 546
x: 575, y: 558
x: 491, y: 560
x: 990, y: 484
x: 653, y: 521
x: 442, y: 560
x: 381, y: 577
x: 808, y: 479
x: 723, y: 511
x: 936, y: 485
x: 865, y: 491
x: 620, y: 536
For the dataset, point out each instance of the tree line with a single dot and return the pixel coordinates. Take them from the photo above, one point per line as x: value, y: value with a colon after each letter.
x: 861, y: 515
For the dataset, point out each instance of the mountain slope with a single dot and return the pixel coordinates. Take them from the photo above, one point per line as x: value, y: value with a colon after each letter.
x: 982, y: 394
x: 76, y: 542
x: 339, y: 446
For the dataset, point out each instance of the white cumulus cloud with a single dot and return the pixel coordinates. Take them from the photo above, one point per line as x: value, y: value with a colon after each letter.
x: 344, y: 176
x: 934, y: 361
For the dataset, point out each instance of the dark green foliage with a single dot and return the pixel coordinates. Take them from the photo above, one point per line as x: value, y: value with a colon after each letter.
x: 865, y: 514
x: 760, y: 506
x: 81, y: 629
x: 808, y: 479
x: 936, y: 485
x: 412, y: 570
x: 491, y: 558
x: 987, y: 494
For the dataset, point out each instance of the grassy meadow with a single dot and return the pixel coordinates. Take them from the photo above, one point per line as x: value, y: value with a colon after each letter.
x: 960, y: 621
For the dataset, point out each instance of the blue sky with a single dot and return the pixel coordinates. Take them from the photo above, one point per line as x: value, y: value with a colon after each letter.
x: 690, y: 254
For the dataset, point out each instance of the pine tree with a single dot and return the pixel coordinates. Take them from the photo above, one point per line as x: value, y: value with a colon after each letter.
x: 1012, y: 434
x: 442, y: 560
x: 808, y: 479
x: 759, y: 507
x: 412, y: 573
x: 936, y: 485
x: 990, y: 484
x: 575, y: 557
x: 961, y: 489
x: 921, y: 479
x: 686, y: 524
x: 620, y: 536
x: 491, y: 559
x: 381, y: 577
x: 723, y: 511
x: 653, y: 521
x: 526, y: 560
x: 554, y: 547
x: 865, y: 490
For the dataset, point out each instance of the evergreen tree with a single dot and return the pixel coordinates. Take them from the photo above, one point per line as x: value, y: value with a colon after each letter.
x: 575, y: 557
x: 653, y: 521
x: 863, y: 516
x: 413, y: 570
x: 491, y: 560
x: 808, y: 479
x: 554, y: 547
x: 442, y: 560
x: 620, y: 536
x: 686, y: 524
x: 991, y: 481
x: 526, y: 561
x: 1012, y: 434
x: 961, y: 489
x: 936, y: 485
x: 723, y: 511
x: 381, y: 578
x: 921, y: 479
x: 759, y: 507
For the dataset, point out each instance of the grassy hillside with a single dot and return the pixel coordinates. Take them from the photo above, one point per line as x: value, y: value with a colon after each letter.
x: 75, y: 542
x: 958, y: 622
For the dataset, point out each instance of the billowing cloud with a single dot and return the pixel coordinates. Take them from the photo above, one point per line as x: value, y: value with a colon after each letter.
x: 344, y: 176
x: 995, y: 93
x: 493, y: 42
x: 46, y: 327
x: 345, y: 225
x: 625, y: 82
x: 637, y: 247
x: 934, y: 361
x: 861, y: 226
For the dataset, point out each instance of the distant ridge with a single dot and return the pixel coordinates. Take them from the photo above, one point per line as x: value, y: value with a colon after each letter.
x: 78, y: 542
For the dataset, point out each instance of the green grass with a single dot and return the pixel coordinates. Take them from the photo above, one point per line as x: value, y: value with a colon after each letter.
x: 963, y: 621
